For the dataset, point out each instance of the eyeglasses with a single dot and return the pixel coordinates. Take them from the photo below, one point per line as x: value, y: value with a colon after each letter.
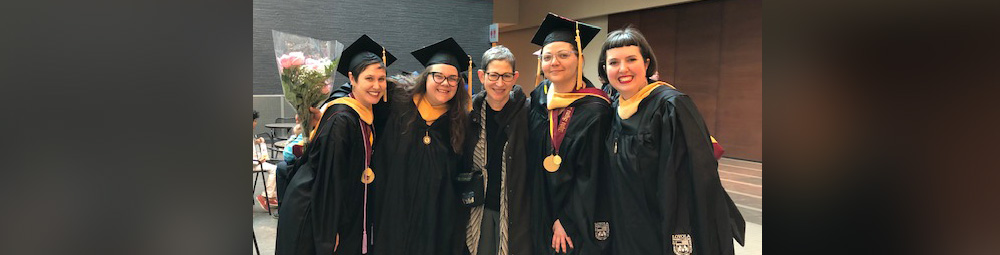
x: 562, y: 55
x: 439, y: 78
x: 493, y: 76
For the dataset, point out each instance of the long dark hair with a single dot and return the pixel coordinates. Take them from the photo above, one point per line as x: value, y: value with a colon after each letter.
x: 457, y: 106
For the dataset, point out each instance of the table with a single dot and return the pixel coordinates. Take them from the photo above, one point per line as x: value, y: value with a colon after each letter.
x: 285, y: 126
x: 280, y: 144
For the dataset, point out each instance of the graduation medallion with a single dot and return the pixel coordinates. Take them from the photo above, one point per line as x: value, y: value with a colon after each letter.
x: 427, y: 139
x: 551, y: 163
x: 367, y: 176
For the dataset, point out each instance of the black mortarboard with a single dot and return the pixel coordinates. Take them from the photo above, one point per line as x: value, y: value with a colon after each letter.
x: 362, y: 49
x: 556, y: 28
x: 444, y: 52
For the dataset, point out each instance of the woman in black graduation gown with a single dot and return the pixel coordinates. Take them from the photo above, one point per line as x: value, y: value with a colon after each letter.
x: 325, y: 209
x: 418, y: 156
x: 666, y: 193
x: 567, y: 109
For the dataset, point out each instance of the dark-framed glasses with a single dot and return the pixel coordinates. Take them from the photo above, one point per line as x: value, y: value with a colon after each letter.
x: 493, y: 76
x: 440, y: 78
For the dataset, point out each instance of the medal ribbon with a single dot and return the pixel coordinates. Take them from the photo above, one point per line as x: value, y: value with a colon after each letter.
x: 368, y: 139
x: 557, y: 134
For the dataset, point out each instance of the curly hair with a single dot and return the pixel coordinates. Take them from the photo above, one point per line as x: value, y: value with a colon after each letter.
x: 408, y: 85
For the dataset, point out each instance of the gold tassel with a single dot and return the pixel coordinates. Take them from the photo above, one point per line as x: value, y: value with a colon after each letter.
x: 470, y: 82
x: 386, y: 89
x: 538, y: 71
x: 579, y: 60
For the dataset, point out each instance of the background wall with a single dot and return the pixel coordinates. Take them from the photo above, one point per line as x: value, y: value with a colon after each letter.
x: 398, y: 25
x: 401, y: 26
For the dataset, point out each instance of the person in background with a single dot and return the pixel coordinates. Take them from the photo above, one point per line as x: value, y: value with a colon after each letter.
x: 260, y: 156
x: 288, y: 159
x: 666, y: 196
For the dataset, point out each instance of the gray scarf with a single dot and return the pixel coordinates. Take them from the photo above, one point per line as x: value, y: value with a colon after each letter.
x: 473, y: 230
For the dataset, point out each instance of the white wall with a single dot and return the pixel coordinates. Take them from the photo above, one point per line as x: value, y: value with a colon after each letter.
x: 271, y: 107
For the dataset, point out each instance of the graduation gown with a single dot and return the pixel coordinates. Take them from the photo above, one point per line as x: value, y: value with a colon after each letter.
x: 325, y: 195
x: 664, y: 180
x: 513, y: 121
x: 570, y: 194
x: 419, y: 209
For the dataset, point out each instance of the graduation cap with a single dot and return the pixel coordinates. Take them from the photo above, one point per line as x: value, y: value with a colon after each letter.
x: 448, y: 52
x: 360, y: 51
x: 444, y: 52
x: 555, y: 28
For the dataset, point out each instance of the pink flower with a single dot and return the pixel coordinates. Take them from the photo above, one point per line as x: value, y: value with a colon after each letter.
x: 291, y: 59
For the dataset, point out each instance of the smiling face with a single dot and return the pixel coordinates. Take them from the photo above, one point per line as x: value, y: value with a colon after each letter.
x: 626, y: 69
x: 369, y: 85
x: 559, y: 62
x: 440, y: 92
x: 498, y: 90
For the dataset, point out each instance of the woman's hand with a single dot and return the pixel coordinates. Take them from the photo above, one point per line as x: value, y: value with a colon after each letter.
x: 559, y: 238
x: 259, y: 140
x: 316, y: 115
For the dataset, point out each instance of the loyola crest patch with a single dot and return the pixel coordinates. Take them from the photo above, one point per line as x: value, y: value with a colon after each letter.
x: 682, y: 244
x: 602, y: 230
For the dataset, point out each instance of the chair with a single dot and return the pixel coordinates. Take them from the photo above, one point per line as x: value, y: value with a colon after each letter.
x: 260, y: 173
x: 273, y: 152
x: 255, y: 246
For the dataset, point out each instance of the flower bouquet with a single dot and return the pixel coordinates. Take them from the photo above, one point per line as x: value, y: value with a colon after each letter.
x: 305, y: 66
